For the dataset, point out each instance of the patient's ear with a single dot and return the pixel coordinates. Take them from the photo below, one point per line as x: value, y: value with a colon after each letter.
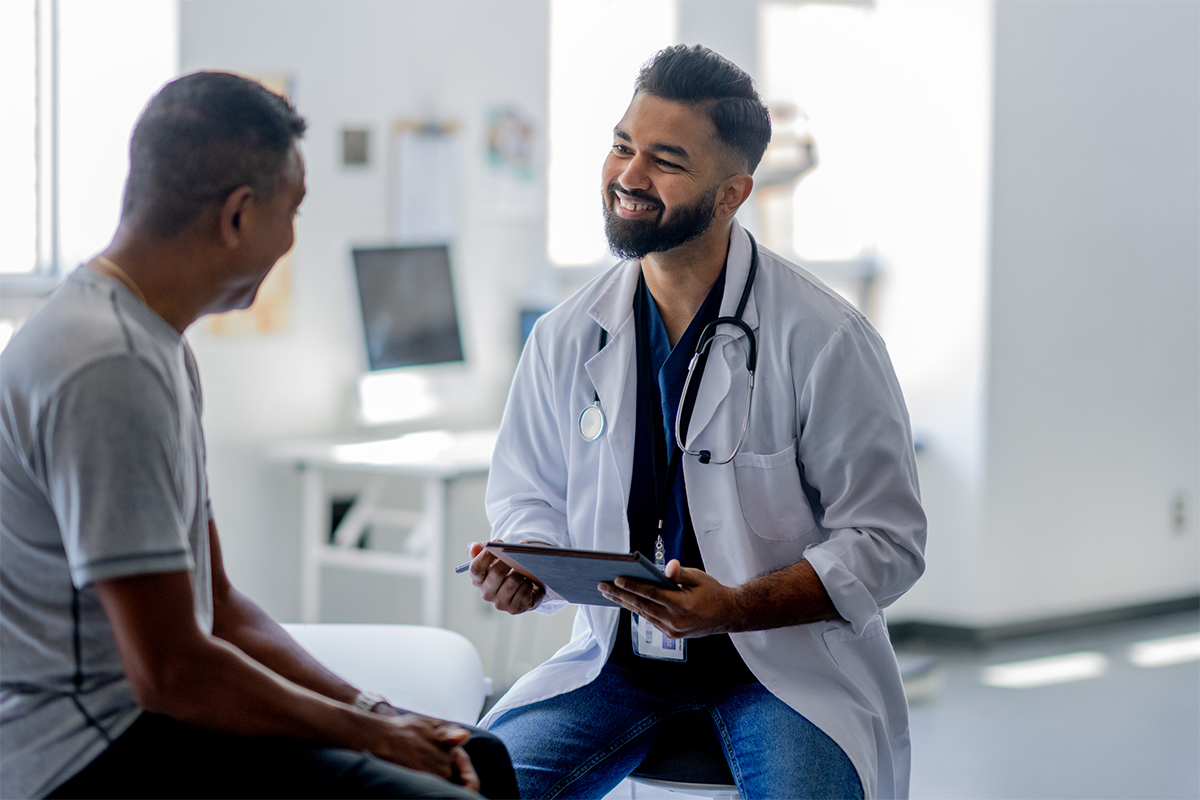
x: 233, y: 216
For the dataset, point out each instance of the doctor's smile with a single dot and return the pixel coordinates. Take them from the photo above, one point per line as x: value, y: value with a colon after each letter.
x: 632, y: 206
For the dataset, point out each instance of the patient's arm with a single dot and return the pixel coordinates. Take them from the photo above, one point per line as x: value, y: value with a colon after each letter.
x: 177, y: 669
x: 238, y: 620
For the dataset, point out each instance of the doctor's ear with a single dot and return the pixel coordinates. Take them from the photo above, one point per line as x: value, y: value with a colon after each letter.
x: 733, y: 192
x: 232, y: 218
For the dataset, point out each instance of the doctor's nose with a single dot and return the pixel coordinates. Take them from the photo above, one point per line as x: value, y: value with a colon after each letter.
x: 634, y: 176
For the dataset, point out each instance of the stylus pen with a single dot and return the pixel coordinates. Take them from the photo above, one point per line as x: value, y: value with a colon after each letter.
x: 461, y: 568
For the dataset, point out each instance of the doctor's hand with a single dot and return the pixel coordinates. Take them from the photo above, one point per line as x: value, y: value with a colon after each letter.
x: 701, y: 606
x: 503, y: 587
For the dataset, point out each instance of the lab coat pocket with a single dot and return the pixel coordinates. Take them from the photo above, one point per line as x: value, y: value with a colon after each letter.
x: 869, y: 661
x: 771, y: 496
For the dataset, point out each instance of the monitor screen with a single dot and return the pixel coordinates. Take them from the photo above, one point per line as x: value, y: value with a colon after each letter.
x: 408, y: 310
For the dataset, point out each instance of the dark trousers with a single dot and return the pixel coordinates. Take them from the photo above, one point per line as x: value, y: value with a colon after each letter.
x: 162, y: 757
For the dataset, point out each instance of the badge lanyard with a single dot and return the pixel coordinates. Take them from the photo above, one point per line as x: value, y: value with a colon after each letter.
x: 648, y: 641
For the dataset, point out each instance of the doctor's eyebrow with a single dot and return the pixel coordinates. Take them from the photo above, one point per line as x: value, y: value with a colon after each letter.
x: 656, y: 147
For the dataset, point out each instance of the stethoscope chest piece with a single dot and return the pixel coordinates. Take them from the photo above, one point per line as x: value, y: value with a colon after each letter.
x: 591, y: 422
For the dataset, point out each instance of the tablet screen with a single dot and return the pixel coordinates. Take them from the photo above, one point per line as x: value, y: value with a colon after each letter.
x: 574, y: 574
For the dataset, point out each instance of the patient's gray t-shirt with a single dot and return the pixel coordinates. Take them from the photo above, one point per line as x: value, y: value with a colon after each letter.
x: 101, y: 476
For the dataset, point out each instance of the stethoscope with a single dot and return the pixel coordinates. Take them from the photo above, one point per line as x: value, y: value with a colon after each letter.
x: 592, y: 421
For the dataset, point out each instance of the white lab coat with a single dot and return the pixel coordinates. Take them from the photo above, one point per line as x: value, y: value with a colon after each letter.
x: 827, y: 473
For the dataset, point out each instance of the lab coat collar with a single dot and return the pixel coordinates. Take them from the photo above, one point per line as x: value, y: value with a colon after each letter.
x: 737, y: 269
x: 613, y: 309
x: 609, y: 372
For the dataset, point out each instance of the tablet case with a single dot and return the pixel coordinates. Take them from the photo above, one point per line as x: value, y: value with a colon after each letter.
x: 574, y: 574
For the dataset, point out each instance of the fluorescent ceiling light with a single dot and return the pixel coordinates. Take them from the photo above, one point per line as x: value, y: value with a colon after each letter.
x: 1045, y: 671
x: 1161, y: 652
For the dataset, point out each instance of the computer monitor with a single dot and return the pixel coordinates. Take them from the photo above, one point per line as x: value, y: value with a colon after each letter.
x: 526, y: 318
x: 408, y: 311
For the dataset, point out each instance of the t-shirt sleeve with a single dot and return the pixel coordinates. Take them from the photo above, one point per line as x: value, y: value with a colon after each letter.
x: 112, y: 449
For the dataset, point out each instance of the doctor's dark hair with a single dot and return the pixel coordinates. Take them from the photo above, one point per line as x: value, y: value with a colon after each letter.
x: 699, y: 76
x: 200, y: 138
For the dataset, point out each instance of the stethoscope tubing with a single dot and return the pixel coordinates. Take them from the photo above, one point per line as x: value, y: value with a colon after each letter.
x: 592, y: 421
x: 705, y: 456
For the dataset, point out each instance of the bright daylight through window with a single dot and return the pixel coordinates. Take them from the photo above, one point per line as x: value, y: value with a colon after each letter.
x: 18, y: 137
x: 77, y: 74
x: 595, y: 53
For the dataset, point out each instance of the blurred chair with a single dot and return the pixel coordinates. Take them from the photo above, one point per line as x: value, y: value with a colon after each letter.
x: 688, y: 759
x: 428, y: 670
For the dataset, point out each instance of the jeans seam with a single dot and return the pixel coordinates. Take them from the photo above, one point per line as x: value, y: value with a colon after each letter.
x: 735, y: 768
x: 596, y: 760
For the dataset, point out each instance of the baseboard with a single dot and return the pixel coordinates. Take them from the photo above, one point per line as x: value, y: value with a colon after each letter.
x: 938, y: 633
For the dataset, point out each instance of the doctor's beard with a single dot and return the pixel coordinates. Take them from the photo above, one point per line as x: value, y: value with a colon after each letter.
x: 635, y: 238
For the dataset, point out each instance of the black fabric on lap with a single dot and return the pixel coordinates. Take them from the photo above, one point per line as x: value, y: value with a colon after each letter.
x: 162, y: 757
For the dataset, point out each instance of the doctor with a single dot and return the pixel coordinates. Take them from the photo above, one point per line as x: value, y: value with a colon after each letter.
x: 789, y: 526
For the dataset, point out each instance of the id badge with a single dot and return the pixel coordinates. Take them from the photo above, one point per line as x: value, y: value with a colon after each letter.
x: 650, y: 642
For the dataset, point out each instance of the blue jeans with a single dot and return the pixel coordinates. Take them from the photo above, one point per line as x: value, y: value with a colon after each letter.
x: 583, y: 743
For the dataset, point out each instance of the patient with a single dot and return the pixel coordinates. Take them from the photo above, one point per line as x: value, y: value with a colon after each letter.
x: 129, y: 666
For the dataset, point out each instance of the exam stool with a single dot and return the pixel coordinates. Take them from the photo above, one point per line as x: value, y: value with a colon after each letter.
x: 428, y: 670
x: 687, y: 758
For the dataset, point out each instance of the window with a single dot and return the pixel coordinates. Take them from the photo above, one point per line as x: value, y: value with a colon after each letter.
x: 18, y: 137
x: 898, y: 98
x: 77, y: 74
x: 897, y: 95
x: 827, y: 60
x: 596, y: 49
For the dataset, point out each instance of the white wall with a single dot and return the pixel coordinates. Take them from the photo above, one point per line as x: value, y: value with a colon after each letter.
x: 1090, y: 397
x: 1094, y: 368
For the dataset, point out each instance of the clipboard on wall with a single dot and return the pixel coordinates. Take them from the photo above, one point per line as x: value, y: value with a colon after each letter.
x: 574, y: 574
x: 423, y: 182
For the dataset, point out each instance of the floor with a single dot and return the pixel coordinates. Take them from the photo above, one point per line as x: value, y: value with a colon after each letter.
x: 1125, y: 732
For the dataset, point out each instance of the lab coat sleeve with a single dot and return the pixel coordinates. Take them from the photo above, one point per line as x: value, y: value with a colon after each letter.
x: 855, y: 449
x: 527, y: 484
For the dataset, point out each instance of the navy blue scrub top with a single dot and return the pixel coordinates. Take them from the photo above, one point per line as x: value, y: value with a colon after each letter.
x: 712, y: 661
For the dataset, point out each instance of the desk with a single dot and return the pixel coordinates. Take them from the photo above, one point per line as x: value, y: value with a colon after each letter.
x: 434, y: 457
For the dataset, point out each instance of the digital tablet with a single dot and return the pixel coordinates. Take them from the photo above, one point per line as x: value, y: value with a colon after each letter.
x: 574, y: 574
